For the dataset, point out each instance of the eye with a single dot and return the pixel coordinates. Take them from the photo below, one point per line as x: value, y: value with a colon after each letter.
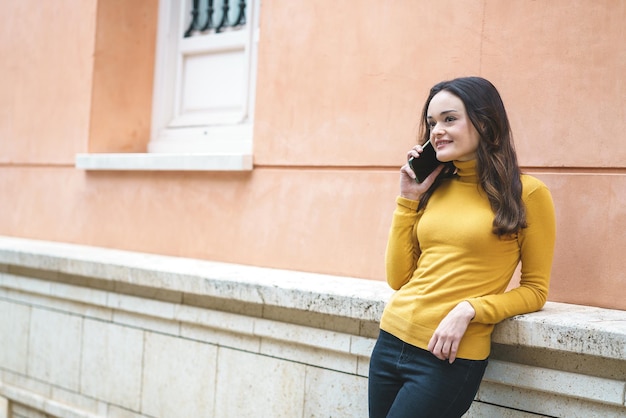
x: 450, y: 119
x: 431, y: 124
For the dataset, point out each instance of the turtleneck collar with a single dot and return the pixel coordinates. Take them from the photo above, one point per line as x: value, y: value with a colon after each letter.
x: 466, y: 170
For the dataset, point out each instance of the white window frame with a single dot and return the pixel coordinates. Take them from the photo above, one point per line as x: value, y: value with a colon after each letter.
x: 218, y: 140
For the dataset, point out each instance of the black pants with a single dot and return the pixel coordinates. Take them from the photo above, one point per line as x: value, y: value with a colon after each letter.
x: 407, y: 381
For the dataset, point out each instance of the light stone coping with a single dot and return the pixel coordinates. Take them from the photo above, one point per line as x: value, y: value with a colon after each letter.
x: 573, y: 385
x: 565, y: 327
x: 164, y: 317
x: 353, y: 298
x: 164, y: 162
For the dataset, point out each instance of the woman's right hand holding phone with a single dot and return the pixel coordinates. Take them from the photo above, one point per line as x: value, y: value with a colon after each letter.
x: 409, y: 188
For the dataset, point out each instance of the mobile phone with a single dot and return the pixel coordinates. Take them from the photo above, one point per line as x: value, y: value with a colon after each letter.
x: 426, y: 163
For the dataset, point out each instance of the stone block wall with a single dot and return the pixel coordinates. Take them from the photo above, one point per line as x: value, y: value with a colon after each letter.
x: 90, y: 332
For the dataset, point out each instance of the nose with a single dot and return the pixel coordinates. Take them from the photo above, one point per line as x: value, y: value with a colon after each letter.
x: 437, y: 129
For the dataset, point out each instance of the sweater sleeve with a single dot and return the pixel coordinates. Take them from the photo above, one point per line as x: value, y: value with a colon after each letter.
x: 402, y: 246
x: 537, y: 249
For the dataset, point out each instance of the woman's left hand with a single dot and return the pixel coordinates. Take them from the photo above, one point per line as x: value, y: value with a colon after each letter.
x: 444, y: 343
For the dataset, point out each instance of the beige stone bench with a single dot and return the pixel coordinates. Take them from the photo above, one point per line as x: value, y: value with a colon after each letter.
x: 96, y: 332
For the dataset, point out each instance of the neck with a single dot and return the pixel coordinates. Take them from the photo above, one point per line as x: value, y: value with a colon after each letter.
x: 466, y: 170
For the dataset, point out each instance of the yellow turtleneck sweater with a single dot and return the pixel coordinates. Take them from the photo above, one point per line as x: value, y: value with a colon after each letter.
x: 447, y: 253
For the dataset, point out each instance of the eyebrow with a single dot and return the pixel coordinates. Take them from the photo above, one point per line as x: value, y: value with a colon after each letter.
x: 443, y: 113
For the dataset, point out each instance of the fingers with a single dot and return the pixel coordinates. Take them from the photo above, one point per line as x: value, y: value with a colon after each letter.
x: 409, y: 172
x: 414, y: 152
x: 451, y: 352
x: 444, y: 348
x: 444, y: 343
x: 409, y: 187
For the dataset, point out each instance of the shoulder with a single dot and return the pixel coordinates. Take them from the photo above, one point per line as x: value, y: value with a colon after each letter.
x: 531, y: 185
x: 534, y: 189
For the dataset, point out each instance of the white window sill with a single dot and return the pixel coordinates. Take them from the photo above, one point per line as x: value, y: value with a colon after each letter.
x: 164, y: 162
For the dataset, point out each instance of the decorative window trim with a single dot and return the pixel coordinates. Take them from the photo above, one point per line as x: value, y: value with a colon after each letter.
x: 222, y: 141
x: 164, y: 162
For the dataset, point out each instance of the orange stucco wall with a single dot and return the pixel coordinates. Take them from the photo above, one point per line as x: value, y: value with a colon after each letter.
x: 339, y: 90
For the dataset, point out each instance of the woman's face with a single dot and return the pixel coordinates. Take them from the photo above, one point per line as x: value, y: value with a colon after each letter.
x: 451, y: 131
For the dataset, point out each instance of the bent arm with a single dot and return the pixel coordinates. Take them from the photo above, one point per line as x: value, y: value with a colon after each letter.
x: 537, y: 250
x: 402, y: 247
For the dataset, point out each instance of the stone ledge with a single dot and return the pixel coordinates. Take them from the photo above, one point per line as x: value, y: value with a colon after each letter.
x: 567, y: 384
x: 340, y: 296
x: 237, y: 331
x: 562, y: 327
x: 571, y: 328
x: 164, y: 162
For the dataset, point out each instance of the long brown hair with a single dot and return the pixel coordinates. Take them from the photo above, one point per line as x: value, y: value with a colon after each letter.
x: 497, y: 167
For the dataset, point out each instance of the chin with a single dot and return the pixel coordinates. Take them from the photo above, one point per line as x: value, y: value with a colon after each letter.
x: 444, y: 158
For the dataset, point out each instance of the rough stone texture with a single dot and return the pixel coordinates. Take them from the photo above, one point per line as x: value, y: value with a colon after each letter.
x: 89, y: 332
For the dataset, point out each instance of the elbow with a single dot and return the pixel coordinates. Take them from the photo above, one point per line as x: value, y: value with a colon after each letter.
x: 396, y: 277
x: 533, y: 298
x: 535, y: 292
x: 394, y: 282
x: 394, y: 286
x: 541, y: 297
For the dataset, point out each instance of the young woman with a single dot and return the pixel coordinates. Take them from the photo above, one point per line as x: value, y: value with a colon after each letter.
x: 454, y: 244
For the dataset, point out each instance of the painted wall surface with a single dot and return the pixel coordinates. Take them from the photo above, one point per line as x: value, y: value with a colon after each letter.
x: 339, y: 92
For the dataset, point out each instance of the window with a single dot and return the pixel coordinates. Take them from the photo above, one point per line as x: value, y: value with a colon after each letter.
x: 205, y: 76
x: 204, y: 86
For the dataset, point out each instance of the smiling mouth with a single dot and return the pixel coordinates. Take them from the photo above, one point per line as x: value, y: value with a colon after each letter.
x: 442, y: 142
